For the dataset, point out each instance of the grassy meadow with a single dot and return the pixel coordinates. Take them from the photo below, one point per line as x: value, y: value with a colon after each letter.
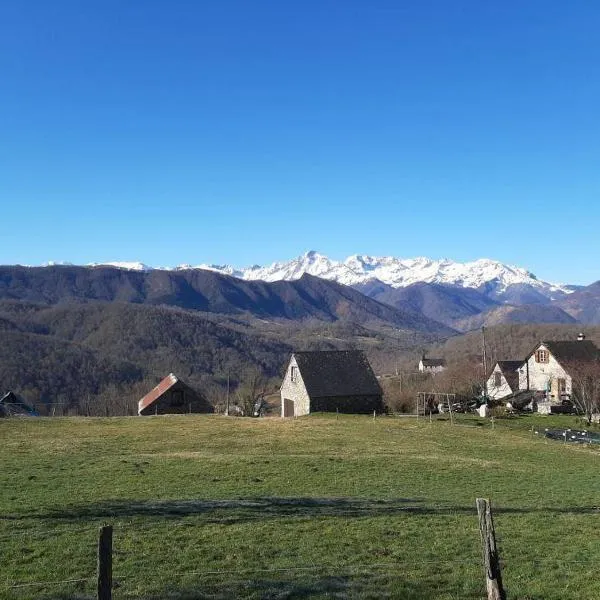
x: 316, y: 507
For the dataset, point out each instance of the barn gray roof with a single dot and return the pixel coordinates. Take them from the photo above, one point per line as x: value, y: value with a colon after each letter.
x: 331, y: 373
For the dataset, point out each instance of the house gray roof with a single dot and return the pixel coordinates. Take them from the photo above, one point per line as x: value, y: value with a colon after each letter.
x: 568, y: 351
x: 509, y: 366
x: 332, y: 373
x: 433, y: 362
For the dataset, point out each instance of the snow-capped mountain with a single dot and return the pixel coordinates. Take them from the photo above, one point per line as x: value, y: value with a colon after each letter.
x: 489, y: 276
x: 396, y: 272
x: 130, y: 266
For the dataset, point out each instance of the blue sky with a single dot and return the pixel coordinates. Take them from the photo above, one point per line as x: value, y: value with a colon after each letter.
x: 251, y: 131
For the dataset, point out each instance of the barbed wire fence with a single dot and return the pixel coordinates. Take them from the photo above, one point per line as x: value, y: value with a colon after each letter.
x: 103, y: 583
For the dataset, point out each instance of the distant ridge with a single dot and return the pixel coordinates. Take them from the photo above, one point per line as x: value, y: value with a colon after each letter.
x: 306, y: 298
x: 493, y: 278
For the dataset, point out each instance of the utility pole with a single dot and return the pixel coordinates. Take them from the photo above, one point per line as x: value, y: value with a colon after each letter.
x: 227, y: 398
x: 397, y: 352
x: 485, y: 391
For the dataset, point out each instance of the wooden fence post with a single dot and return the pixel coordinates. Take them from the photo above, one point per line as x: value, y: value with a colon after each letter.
x: 105, y: 563
x: 491, y: 562
x: 450, y: 409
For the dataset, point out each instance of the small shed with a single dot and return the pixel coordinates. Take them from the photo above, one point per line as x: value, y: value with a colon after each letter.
x: 173, y: 396
x: 330, y: 381
x: 12, y: 405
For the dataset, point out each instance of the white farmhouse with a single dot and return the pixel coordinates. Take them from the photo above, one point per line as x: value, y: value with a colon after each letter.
x: 431, y: 365
x: 550, y: 367
x: 329, y: 381
x: 548, y: 375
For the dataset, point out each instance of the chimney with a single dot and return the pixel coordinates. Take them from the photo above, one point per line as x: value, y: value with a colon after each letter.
x: 581, y: 337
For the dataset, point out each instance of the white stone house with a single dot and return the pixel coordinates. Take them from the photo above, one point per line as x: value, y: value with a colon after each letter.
x: 546, y: 368
x: 431, y: 365
x: 549, y: 369
x: 329, y: 381
x: 504, y: 379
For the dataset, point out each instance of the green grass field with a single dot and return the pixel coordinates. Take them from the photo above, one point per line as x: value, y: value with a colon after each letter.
x: 317, y: 507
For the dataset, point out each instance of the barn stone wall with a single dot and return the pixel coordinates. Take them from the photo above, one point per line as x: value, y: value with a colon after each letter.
x: 347, y: 404
x: 294, y: 391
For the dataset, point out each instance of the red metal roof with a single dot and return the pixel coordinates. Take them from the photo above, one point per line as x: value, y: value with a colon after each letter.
x: 167, y: 383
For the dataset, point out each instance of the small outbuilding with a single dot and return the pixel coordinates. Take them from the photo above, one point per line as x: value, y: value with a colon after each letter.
x: 173, y: 396
x: 330, y: 381
x: 431, y: 365
x: 504, y: 379
x: 12, y: 405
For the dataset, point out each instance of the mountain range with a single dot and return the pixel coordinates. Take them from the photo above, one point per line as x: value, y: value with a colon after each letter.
x: 397, y: 273
x: 458, y: 295
x: 493, y: 277
x: 98, y: 331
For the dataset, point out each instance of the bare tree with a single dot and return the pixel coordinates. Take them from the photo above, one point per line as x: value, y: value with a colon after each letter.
x: 462, y: 378
x: 400, y: 391
x: 251, y: 389
x: 585, y: 383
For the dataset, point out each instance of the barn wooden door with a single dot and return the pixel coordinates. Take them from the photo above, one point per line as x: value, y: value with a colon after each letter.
x: 288, y: 407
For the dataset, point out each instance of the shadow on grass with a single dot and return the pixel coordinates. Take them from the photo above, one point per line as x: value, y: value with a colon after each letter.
x: 366, y: 585
x: 363, y: 585
x: 261, y: 508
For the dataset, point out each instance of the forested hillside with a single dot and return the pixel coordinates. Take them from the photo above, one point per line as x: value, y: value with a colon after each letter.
x: 84, y: 353
x: 306, y: 298
x: 70, y: 353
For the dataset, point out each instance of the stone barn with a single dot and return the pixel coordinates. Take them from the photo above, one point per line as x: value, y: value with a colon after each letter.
x: 173, y: 396
x: 329, y: 381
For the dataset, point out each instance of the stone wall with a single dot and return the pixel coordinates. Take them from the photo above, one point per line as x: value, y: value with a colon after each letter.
x: 294, y: 391
x: 544, y: 376
x: 348, y: 404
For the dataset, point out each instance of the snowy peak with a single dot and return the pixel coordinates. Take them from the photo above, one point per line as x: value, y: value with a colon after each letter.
x: 484, y: 273
x: 396, y: 272
x: 129, y: 266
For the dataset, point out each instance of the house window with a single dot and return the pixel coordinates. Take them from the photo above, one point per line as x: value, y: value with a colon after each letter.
x: 542, y: 356
x: 497, y: 379
x: 294, y: 374
x: 562, y: 386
